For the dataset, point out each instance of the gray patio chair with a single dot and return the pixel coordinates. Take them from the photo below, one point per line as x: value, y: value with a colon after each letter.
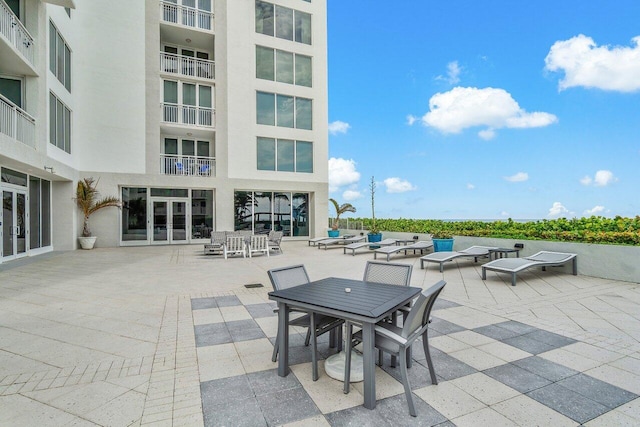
x: 541, y: 259
x: 474, y: 252
x: 235, y: 245
x: 275, y: 240
x: 218, y: 239
x: 295, y: 275
x: 397, y: 341
x: 258, y: 244
x: 390, y: 250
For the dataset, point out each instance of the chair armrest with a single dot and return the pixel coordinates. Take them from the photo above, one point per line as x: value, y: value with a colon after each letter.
x: 391, y: 335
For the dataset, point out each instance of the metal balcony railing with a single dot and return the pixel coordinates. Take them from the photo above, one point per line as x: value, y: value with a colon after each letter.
x: 187, y: 66
x: 17, y: 35
x: 173, y: 164
x: 188, y: 115
x: 187, y: 16
x: 16, y: 123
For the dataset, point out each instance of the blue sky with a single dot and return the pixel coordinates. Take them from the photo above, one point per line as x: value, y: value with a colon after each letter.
x: 488, y: 109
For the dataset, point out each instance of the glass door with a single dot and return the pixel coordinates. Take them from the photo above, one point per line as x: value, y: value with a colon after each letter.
x: 14, y: 221
x: 169, y: 221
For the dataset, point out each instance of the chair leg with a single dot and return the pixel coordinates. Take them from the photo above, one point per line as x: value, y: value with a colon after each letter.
x: 380, y: 357
x: 347, y: 358
x: 274, y: 356
x: 308, y: 338
x: 332, y: 338
x: 427, y: 353
x: 314, y: 345
x: 405, y: 381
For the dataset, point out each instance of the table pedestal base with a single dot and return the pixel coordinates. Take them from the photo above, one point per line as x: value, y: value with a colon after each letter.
x: 335, y: 364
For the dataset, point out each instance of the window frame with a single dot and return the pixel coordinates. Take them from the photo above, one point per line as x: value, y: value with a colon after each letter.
x: 60, y: 51
x: 64, y: 117
x: 276, y: 164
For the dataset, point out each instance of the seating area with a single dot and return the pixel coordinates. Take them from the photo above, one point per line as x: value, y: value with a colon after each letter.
x: 243, y: 243
x: 441, y: 258
x: 388, y: 251
x: 353, y: 247
x: 541, y: 259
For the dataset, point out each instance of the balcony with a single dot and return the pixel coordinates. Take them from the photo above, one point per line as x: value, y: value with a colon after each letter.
x: 173, y: 164
x: 187, y: 66
x: 16, y: 123
x: 17, y: 37
x: 186, y: 16
x: 189, y: 115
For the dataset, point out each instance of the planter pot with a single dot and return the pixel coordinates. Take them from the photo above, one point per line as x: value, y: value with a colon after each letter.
x: 87, y: 242
x: 372, y: 238
x: 442, y: 245
x: 333, y: 233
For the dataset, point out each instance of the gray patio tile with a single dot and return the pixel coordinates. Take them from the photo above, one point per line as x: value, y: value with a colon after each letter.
x: 265, y: 382
x: 244, y: 330
x: 285, y: 406
x: 516, y: 377
x: 212, y: 334
x: 528, y: 344
x: 419, y: 376
x: 568, y: 402
x: 202, y: 303
x: 442, y: 304
x: 545, y: 368
x: 596, y: 390
x: 518, y: 327
x: 444, y: 326
x: 225, y: 390
x: 554, y: 340
x: 227, y: 301
x: 447, y: 367
x: 496, y: 332
x: 261, y: 310
x: 239, y: 413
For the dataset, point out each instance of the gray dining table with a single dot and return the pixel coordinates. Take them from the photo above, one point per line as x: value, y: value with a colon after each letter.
x: 354, y: 300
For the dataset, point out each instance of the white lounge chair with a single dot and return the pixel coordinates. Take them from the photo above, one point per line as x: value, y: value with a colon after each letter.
x: 258, y: 244
x: 344, y: 240
x: 446, y: 256
x: 390, y: 250
x: 355, y: 246
x: 541, y: 259
x: 235, y: 245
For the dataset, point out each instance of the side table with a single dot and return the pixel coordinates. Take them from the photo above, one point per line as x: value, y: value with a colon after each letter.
x: 503, y: 253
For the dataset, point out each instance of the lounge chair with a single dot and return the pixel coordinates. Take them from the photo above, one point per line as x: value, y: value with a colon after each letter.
x: 315, y: 240
x: 258, y: 244
x: 445, y: 256
x: 275, y: 240
x: 218, y: 239
x: 541, y: 259
x: 345, y: 240
x: 357, y: 245
x: 390, y: 250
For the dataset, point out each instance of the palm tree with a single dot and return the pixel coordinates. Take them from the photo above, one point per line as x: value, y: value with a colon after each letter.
x: 340, y: 209
x: 88, y: 202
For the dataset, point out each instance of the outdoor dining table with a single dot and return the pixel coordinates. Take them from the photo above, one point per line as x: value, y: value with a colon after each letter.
x: 354, y: 300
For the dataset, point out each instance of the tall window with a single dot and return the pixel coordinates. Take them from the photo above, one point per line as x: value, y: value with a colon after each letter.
x: 261, y: 211
x: 59, y: 124
x: 59, y: 57
x: 39, y: 213
x: 283, y: 22
x: 284, y: 155
x: 282, y: 66
x: 283, y: 111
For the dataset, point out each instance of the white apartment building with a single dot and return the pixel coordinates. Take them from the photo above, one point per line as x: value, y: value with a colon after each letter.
x: 199, y: 115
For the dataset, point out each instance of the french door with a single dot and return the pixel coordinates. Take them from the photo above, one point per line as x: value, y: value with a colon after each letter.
x: 170, y: 221
x: 14, y: 224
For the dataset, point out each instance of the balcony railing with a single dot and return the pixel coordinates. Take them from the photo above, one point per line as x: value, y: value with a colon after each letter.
x: 17, y: 35
x: 16, y: 123
x: 187, y: 16
x: 187, y: 66
x: 173, y: 164
x: 188, y: 115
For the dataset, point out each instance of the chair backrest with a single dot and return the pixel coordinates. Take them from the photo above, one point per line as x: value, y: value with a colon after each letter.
x: 547, y: 256
x: 288, y: 277
x: 421, y: 310
x: 388, y: 272
x: 179, y: 166
x: 218, y: 237
x: 235, y: 243
x: 259, y: 243
x: 275, y: 236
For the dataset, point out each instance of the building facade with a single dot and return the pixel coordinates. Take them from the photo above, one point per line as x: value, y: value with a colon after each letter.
x: 199, y: 115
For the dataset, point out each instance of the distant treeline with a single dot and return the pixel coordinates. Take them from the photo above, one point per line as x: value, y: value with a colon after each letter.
x: 595, y: 229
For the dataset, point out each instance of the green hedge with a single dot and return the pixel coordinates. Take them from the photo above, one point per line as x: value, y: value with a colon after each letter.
x: 595, y: 229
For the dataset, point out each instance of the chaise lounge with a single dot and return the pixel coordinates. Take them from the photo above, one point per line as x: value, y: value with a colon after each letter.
x: 541, y: 259
x: 390, y: 250
x: 343, y: 240
x: 446, y: 256
x: 358, y: 245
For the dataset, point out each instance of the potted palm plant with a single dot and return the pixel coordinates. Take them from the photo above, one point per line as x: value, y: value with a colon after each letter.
x: 88, y: 201
x: 340, y: 209
x: 442, y: 240
x: 374, y: 234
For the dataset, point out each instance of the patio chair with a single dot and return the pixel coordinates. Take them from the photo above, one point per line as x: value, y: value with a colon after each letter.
x: 218, y: 239
x: 258, y: 244
x: 397, y: 341
x: 541, y: 259
x: 275, y: 240
x: 474, y: 252
x: 235, y: 245
x: 295, y: 275
x: 390, y: 250
x: 315, y: 240
x: 358, y: 245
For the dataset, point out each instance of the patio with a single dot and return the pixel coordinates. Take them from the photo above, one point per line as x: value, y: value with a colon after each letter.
x: 169, y: 336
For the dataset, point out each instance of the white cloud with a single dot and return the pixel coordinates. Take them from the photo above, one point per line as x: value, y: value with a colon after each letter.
x: 557, y: 210
x: 596, y: 210
x: 350, y: 195
x: 453, y: 73
x: 504, y: 214
x: 338, y: 127
x: 411, y: 119
x: 519, y: 177
x: 397, y: 185
x: 466, y: 107
x: 342, y: 172
x: 602, y: 178
x: 471, y: 186
x: 603, y: 67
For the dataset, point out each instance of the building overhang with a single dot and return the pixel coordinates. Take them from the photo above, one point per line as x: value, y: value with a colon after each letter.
x: 64, y: 3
